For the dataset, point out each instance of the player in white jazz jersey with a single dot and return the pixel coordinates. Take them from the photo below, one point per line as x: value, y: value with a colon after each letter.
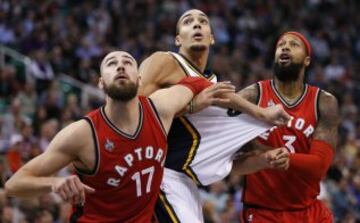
x: 202, y: 145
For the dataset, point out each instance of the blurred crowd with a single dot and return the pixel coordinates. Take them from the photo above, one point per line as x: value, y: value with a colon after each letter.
x: 71, y: 37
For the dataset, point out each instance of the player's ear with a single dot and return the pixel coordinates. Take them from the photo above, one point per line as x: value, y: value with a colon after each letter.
x: 101, y: 83
x: 212, y: 39
x: 307, y: 61
x: 177, y: 41
x: 139, y: 80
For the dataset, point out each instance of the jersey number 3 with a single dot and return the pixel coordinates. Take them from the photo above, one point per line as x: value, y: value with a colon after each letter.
x: 137, y: 178
x: 289, y: 141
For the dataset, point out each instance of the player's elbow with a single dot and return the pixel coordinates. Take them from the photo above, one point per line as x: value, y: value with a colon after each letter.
x: 13, y: 185
x: 10, y: 187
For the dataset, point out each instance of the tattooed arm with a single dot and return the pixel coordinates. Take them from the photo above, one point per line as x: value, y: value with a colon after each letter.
x: 316, y: 163
x: 327, y: 127
x: 250, y: 93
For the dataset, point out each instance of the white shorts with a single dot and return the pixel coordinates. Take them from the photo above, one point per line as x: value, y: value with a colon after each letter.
x: 179, y: 199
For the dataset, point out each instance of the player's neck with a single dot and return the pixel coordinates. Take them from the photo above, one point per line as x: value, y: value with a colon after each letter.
x: 198, y: 59
x: 124, y: 115
x: 290, y: 89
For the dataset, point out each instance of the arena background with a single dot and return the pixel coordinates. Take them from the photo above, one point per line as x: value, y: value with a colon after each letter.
x: 49, y: 57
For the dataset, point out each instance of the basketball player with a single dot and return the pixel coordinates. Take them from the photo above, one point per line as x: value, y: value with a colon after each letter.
x: 118, y: 149
x: 310, y: 136
x: 202, y: 145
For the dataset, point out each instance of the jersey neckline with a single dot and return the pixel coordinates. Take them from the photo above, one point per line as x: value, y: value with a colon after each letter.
x: 118, y: 130
x: 195, y: 68
x: 284, y: 102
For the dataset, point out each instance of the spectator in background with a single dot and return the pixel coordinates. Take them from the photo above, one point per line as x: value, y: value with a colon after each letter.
x: 4, y: 174
x: 14, y: 154
x: 42, y: 70
x: 8, y: 84
x: 48, y: 131
x: 87, y: 51
x: 13, y: 120
x: 334, y: 70
x: 59, y: 62
x: 28, y: 100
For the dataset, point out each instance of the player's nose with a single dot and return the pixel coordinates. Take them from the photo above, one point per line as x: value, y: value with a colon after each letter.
x: 197, y: 25
x: 285, y: 48
x: 120, y: 67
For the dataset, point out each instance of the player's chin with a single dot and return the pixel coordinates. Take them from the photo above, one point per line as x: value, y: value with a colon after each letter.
x: 199, y: 47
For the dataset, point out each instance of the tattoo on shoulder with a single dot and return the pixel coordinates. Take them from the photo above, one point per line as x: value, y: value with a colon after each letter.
x: 327, y: 127
x: 250, y: 93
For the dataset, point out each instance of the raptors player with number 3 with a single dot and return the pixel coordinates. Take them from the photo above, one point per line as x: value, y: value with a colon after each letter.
x: 118, y: 150
x: 310, y: 136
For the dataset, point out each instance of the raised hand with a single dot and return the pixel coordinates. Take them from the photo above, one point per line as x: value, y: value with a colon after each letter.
x: 212, y: 95
x: 71, y: 189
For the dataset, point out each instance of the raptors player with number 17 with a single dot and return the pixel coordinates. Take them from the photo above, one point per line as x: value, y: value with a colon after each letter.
x: 310, y: 136
x: 118, y: 150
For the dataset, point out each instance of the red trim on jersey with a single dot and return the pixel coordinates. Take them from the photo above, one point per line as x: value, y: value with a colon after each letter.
x: 284, y: 102
x: 317, y: 98
x: 119, y: 131
x: 96, y: 148
x: 156, y: 114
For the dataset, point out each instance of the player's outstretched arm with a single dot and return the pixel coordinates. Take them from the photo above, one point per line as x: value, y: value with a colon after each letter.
x: 316, y: 163
x: 34, y: 178
x: 172, y: 100
x: 158, y: 71
x: 245, y: 101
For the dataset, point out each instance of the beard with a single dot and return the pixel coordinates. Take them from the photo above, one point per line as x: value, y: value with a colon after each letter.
x: 123, y: 93
x: 287, y: 73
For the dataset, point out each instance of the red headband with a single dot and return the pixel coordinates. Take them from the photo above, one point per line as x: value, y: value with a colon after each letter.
x: 303, y: 39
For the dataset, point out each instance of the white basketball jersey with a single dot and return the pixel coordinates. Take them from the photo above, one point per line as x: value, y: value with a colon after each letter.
x: 203, y: 145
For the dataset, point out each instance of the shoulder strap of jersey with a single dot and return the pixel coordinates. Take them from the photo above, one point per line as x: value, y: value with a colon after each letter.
x: 189, y: 69
x: 315, y: 91
x: 184, y: 65
x: 262, y: 86
x: 149, y: 106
